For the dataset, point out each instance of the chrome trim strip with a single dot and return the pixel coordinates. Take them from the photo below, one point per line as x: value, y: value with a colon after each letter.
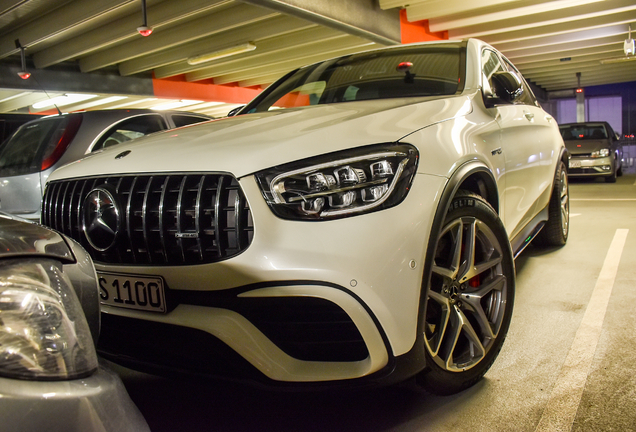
x: 197, y: 214
x: 179, y: 215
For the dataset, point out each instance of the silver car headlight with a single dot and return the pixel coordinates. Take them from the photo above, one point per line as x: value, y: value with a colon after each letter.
x: 601, y: 153
x: 340, y: 184
x: 43, y: 332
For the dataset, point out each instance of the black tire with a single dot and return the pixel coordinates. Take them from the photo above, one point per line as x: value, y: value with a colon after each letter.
x: 612, y: 177
x: 469, y: 297
x: 556, y: 230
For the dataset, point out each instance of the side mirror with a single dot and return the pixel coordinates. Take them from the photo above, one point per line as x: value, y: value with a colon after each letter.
x: 235, y: 111
x: 507, y: 88
x: 618, y: 137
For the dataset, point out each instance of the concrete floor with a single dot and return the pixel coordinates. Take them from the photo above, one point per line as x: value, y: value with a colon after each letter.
x: 533, y: 385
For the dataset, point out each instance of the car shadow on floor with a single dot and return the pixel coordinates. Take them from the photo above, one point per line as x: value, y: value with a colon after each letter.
x: 171, y: 405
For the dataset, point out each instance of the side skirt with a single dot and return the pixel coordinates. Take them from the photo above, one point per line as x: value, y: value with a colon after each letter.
x: 529, y: 232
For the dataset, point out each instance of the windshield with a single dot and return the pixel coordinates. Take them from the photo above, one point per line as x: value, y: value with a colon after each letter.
x: 24, y: 151
x: 395, y: 73
x: 583, y: 132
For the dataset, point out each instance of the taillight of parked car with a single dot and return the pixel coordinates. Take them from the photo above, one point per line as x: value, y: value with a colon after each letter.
x: 60, y: 141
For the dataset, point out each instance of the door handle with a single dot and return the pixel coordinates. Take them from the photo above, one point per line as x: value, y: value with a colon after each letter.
x: 528, y: 115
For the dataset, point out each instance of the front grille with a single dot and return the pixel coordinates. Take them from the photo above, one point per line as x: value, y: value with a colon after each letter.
x: 581, y: 171
x: 165, y: 219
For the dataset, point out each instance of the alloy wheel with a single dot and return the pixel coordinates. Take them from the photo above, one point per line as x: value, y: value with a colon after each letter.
x: 467, y: 296
x: 565, y: 204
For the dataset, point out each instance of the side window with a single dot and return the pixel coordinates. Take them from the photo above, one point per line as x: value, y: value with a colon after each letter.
x: 184, y: 120
x: 22, y: 153
x: 130, y: 129
x: 490, y: 63
x: 527, y: 98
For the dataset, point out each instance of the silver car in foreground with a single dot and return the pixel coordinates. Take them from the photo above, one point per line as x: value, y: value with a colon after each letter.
x: 39, y: 147
x: 50, y: 378
x: 355, y: 224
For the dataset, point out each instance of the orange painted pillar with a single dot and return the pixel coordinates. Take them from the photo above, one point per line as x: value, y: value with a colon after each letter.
x: 418, y: 31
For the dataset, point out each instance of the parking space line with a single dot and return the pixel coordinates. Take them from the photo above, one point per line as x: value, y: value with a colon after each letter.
x: 565, y: 397
x: 602, y: 199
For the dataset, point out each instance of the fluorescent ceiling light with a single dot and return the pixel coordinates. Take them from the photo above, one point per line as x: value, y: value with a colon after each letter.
x: 15, y: 96
x: 176, y: 104
x: 618, y: 60
x: 211, y: 104
x: 138, y: 102
x: 66, y: 99
x: 103, y: 101
x: 246, y: 47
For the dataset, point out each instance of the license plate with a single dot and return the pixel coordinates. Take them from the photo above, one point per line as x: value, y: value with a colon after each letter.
x: 132, y: 292
x: 575, y: 164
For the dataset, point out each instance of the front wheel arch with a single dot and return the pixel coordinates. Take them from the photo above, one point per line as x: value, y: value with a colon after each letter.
x: 478, y: 180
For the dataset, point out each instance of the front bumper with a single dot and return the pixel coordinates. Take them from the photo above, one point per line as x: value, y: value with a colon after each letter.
x: 587, y: 166
x: 365, y: 271
x: 97, y: 403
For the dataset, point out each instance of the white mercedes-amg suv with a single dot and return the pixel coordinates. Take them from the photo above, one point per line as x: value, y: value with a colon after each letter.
x: 356, y: 223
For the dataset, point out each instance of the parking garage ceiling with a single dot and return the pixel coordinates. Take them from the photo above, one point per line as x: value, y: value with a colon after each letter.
x: 93, y: 48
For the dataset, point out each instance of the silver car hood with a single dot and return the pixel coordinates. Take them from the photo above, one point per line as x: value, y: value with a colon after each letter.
x: 19, y: 238
x: 248, y: 143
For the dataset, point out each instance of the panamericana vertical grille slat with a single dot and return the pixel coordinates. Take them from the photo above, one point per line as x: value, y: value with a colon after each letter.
x: 168, y: 219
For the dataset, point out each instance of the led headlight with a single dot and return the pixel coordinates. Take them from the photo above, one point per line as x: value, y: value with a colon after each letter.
x: 340, y: 184
x: 43, y: 332
x: 601, y: 153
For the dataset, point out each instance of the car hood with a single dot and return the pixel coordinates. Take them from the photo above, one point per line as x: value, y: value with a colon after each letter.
x: 20, y: 238
x: 586, y: 146
x: 248, y: 143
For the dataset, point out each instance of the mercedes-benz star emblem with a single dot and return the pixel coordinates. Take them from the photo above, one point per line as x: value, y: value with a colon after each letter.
x: 100, y: 219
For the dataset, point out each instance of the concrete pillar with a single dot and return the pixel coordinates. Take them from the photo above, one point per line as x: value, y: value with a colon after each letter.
x: 580, y: 100
x: 580, y: 105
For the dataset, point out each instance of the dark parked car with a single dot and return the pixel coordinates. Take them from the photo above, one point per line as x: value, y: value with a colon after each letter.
x: 37, y: 148
x: 50, y: 378
x: 594, y: 149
